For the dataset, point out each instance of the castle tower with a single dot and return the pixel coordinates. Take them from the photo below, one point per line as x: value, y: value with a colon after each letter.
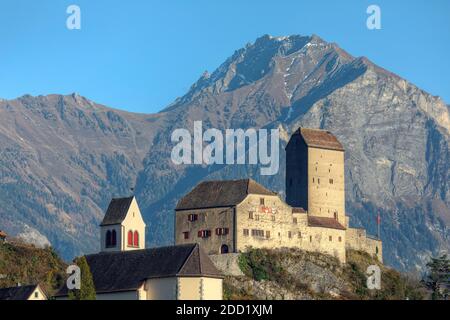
x: 123, y: 227
x: 315, y: 173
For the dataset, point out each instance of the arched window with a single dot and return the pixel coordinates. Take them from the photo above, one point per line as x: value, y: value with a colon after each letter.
x: 136, y: 239
x: 224, y: 249
x: 108, y: 239
x: 113, y: 238
x: 130, y: 238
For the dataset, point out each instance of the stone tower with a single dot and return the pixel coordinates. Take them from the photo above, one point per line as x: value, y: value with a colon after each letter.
x: 122, y: 228
x: 315, y: 173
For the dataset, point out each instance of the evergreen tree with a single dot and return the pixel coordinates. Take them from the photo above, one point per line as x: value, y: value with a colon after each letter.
x: 438, y: 277
x: 87, y: 288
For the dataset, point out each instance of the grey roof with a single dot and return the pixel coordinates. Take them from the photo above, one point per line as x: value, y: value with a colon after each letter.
x: 226, y: 193
x: 324, y: 222
x: 127, y: 270
x: 17, y: 293
x: 117, y: 211
x: 319, y: 139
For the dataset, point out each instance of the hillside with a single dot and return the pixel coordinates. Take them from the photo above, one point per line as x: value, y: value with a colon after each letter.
x: 290, y: 274
x: 62, y: 158
x: 25, y: 264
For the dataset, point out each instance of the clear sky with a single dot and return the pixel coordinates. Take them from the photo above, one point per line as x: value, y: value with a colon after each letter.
x: 140, y: 55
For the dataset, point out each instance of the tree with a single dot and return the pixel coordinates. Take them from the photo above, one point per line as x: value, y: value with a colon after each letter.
x: 437, y: 278
x: 87, y: 288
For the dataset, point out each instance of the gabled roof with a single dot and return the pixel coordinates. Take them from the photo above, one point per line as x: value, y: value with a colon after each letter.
x: 117, y: 211
x: 17, y: 293
x: 316, y: 138
x: 324, y: 222
x: 226, y: 193
x: 127, y: 270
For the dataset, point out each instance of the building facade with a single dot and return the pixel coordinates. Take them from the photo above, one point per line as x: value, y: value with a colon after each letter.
x: 233, y: 216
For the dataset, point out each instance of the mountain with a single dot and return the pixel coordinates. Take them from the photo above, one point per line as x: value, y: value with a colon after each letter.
x: 64, y: 157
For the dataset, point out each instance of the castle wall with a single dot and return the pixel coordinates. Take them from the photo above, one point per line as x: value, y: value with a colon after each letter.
x: 208, y: 219
x: 357, y: 239
x: 326, y: 185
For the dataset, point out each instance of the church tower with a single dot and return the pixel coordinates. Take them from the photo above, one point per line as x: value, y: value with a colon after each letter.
x: 123, y: 227
x: 315, y: 173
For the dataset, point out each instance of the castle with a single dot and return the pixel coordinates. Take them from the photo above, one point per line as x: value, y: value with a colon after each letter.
x: 232, y: 216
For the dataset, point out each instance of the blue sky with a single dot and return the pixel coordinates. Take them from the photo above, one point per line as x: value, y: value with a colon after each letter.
x: 139, y: 55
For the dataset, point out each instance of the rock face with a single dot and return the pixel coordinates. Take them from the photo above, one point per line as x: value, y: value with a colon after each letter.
x: 63, y: 157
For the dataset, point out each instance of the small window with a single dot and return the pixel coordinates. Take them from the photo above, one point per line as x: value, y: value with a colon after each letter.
x: 130, y: 238
x: 335, y: 216
x: 318, y: 180
x: 310, y: 238
x: 273, y: 217
x: 261, y: 201
x: 376, y: 250
x: 289, y: 234
x: 257, y: 217
x: 204, y: 233
x: 313, y: 180
x: 36, y: 294
x: 258, y: 233
x: 330, y: 238
x: 331, y: 181
x: 294, y: 220
x: 193, y: 217
x: 222, y: 231
x: 250, y: 214
x: 246, y: 232
x: 340, y: 239
x: 268, y: 235
x: 186, y: 235
x: 299, y: 235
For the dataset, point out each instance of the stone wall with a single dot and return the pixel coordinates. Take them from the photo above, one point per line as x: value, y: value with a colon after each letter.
x: 357, y: 239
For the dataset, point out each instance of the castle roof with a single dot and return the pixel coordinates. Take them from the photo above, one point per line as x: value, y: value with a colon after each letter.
x: 324, y: 222
x: 117, y: 211
x: 315, y: 138
x: 226, y: 193
x: 127, y: 270
x: 17, y: 293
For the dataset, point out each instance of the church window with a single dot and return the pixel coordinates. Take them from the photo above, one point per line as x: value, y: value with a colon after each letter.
x: 136, y: 239
x: 186, y: 235
x: 130, y: 238
x: 113, y: 238
x: 108, y: 238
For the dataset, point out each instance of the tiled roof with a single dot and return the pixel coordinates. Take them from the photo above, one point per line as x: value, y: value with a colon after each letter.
x: 324, y: 222
x: 127, y: 270
x: 320, y: 139
x: 211, y: 194
x: 17, y: 293
x: 117, y: 211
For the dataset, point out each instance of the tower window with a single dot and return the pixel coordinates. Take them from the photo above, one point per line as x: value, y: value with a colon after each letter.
x: 192, y: 217
x: 130, y: 238
x: 222, y: 231
x: 261, y: 201
x: 186, y: 235
x: 331, y: 181
x: 204, y: 233
x: 136, y: 239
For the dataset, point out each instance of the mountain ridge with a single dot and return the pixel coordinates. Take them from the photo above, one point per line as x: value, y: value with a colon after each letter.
x: 397, y: 140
